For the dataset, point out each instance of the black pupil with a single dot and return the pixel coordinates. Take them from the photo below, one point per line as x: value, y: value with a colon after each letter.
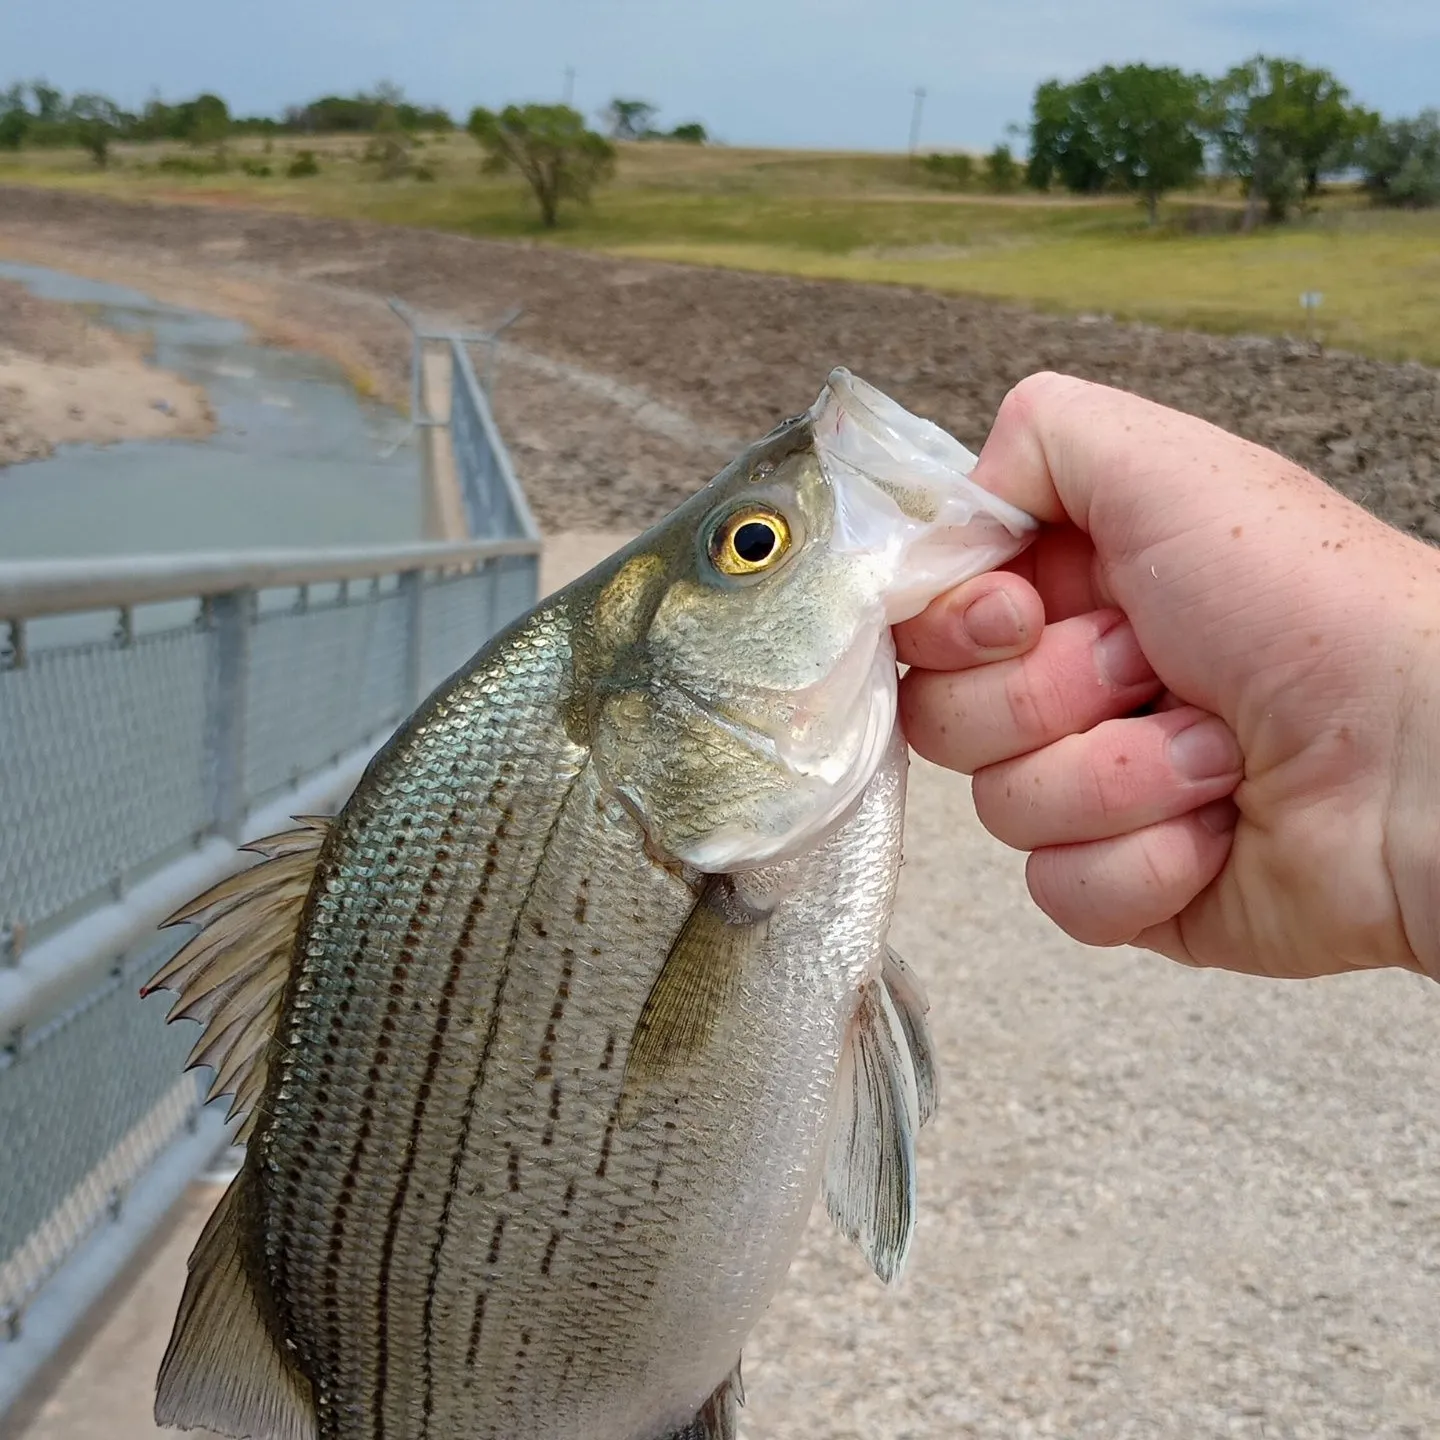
x: 754, y: 542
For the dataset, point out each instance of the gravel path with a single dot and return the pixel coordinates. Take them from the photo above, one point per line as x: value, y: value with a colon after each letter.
x: 1156, y: 1204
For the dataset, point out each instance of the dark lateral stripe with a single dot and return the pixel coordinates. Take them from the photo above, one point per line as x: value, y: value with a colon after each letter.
x: 467, y: 1120
x: 458, y: 954
x: 477, y: 1321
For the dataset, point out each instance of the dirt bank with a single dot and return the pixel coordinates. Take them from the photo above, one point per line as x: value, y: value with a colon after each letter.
x: 65, y: 380
x: 731, y: 352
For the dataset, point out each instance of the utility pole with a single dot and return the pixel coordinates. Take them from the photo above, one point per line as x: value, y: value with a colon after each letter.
x: 915, y: 119
x: 569, y: 83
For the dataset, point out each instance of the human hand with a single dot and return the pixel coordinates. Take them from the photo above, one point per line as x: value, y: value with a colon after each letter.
x: 1201, y: 619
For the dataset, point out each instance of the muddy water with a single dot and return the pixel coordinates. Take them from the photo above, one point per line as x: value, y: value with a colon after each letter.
x: 297, y: 458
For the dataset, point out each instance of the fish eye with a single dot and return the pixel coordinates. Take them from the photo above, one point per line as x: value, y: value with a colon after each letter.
x: 749, y: 541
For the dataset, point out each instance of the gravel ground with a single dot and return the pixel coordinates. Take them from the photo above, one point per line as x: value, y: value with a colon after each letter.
x: 1156, y: 1204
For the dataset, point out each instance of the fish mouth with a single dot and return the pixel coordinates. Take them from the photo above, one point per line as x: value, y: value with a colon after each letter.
x: 904, y: 498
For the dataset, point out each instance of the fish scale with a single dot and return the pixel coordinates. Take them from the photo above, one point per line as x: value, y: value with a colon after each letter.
x: 586, y: 994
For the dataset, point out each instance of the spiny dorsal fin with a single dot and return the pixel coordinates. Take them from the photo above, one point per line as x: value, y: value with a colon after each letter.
x: 223, y: 1369
x: 691, y: 994
x: 870, y: 1170
x: 717, y: 1419
x: 910, y: 1003
x: 230, y: 975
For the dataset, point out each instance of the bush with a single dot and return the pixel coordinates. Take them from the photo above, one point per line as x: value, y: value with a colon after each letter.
x: 955, y: 171
x: 1002, y: 170
x: 191, y: 164
x: 425, y: 173
x: 1402, y: 161
x: 255, y: 167
x: 303, y: 165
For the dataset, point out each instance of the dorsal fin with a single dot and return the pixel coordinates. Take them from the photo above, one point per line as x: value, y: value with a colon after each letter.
x: 223, y: 1370
x: 870, y: 1170
x: 230, y: 975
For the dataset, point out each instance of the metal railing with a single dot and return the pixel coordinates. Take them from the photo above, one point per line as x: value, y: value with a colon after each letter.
x: 154, y: 711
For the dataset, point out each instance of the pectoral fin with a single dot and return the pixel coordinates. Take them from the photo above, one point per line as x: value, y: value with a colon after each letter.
x: 223, y: 1370
x: 717, y: 1419
x: 682, y: 1015
x: 908, y: 997
x: 870, y: 1171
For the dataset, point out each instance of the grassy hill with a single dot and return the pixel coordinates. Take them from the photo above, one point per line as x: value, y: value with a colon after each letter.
x: 870, y: 217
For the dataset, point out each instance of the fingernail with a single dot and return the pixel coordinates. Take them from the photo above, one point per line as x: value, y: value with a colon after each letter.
x: 1121, y: 660
x: 992, y: 622
x: 1205, y: 751
x: 1219, y: 817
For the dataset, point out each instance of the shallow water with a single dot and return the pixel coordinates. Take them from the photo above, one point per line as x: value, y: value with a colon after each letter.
x: 298, y: 457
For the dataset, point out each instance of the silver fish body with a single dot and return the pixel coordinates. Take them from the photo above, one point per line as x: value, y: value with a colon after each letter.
x: 551, y: 1039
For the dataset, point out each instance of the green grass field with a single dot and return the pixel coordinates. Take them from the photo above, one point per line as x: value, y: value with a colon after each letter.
x: 872, y: 217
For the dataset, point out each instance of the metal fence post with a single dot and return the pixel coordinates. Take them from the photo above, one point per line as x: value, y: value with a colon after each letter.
x: 412, y: 587
x: 231, y: 616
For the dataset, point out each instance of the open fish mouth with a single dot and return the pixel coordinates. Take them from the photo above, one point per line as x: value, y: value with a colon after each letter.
x: 903, y: 496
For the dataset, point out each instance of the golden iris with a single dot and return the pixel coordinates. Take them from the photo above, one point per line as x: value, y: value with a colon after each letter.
x: 749, y: 541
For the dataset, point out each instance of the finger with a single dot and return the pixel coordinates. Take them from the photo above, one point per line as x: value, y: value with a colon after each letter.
x: 993, y: 617
x: 1114, y: 892
x: 1123, y: 775
x: 1066, y: 574
x: 1081, y: 671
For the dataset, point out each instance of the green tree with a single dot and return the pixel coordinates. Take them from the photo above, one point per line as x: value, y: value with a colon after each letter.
x: 207, y: 121
x: 1279, y: 125
x: 630, y: 119
x: 97, y: 121
x: 550, y: 146
x: 49, y: 102
x: 1133, y: 127
x: 14, y: 118
x: 692, y: 132
x: 1002, y: 170
x: 1061, y: 147
x: 1401, y: 160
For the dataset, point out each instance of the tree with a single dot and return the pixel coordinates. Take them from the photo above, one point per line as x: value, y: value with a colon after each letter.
x: 691, y: 132
x: 630, y: 119
x: 97, y: 120
x: 1134, y: 128
x: 1279, y: 125
x: 1002, y: 170
x: 14, y: 118
x: 206, y: 121
x: 1401, y: 160
x: 550, y: 146
x: 1061, y: 147
x: 49, y: 102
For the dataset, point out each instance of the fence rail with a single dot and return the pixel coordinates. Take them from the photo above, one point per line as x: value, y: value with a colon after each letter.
x: 154, y: 711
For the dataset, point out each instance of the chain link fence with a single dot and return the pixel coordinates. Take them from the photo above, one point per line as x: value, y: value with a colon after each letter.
x: 153, y: 712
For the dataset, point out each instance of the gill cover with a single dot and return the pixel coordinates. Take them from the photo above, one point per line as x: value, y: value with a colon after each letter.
x: 764, y: 695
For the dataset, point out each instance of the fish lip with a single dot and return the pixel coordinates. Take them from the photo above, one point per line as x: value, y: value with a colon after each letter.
x: 904, y: 499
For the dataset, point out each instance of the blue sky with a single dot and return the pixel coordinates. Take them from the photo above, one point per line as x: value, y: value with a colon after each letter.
x: 828, y: 73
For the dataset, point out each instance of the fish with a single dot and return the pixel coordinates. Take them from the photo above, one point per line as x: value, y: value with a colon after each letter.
x: 545, y: 1046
